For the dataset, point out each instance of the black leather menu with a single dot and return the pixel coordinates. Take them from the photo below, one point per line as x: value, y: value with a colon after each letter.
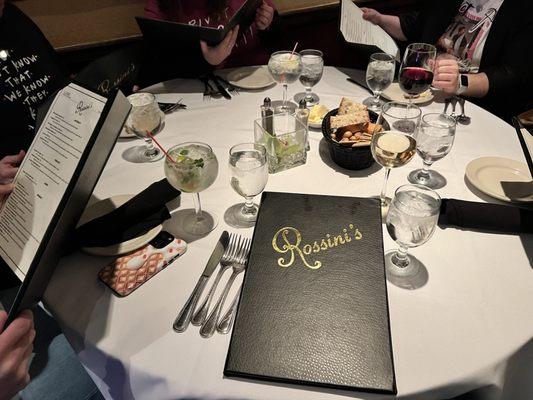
x: 313, y: 308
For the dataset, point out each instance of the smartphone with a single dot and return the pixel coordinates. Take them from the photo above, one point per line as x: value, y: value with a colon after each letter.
x: 130, y: 271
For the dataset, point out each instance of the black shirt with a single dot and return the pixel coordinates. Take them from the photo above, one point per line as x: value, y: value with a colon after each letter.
x: 29, y: 74
x: 507, y: 59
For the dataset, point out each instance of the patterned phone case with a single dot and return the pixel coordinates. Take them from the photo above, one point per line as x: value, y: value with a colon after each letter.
x: 130, y: 271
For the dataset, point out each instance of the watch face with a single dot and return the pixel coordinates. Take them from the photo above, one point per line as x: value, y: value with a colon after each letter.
x: 464, y: 80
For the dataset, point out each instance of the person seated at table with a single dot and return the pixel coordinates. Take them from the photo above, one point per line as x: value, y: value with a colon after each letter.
x: 248, y: 46
x: 484, y: 46
x: 29, y: 74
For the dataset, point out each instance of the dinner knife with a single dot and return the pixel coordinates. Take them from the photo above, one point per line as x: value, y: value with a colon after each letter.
x: 184, y: 317
x: 223, y: 91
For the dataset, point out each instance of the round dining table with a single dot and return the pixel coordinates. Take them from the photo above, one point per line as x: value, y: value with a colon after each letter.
x: 468, y: 325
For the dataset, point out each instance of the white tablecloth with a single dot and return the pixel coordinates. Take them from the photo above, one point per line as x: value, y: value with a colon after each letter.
x: 470, y: 325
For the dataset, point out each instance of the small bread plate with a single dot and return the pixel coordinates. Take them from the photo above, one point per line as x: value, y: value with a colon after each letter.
x: 103, y: 207
x: 501, y: 178
x: 126, y: 133
x: 251, y: 78
x: 395, y: 93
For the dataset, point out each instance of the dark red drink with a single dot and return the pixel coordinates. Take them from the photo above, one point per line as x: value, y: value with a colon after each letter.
x: 415, y: 80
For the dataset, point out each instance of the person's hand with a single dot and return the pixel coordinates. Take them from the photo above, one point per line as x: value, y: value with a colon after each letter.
x: 8, y: 170
x: 371, y: 15
x: 446, y: 74
x: 217, y: 54
x: 16, y: 346
x: 264, y: 16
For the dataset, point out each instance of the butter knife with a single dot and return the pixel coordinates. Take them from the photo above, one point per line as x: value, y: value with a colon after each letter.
x: 223, y: 91
x: 184, y: 317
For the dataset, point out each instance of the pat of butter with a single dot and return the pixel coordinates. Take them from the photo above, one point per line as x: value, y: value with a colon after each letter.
x: 317, y: 113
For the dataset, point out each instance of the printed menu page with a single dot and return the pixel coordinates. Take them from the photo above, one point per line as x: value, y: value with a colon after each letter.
x: 356, y: 30
x: 45, y: 173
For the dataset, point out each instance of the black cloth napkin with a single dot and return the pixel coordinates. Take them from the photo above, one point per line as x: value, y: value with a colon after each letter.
x: 132, y: 219
x: 485, y: 217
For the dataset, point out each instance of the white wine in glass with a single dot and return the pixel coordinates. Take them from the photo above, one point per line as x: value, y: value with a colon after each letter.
x: 392, y: 149
x: 194, y: 168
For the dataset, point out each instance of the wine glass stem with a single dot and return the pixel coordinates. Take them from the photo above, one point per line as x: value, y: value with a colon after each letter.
x: 285, y: 86
x: 424, y: 172
x: 197, y: 206
x: 151, y: 151
x: 376, y: 97
x: 383, y: 196
x: 308, y: 96
x: 400, y: 258
x: 248, y: 207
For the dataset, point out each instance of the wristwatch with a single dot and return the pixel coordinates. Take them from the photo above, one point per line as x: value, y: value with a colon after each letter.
x: 463, y: 84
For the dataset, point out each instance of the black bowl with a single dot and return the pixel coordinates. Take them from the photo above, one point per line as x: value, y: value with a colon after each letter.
x: 352, y: 158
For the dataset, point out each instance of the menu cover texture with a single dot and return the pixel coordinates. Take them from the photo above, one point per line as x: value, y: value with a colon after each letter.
x: 313, y: 308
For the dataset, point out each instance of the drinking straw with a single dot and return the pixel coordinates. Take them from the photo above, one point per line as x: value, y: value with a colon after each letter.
x: 161, y: 147
x: 293, y: 50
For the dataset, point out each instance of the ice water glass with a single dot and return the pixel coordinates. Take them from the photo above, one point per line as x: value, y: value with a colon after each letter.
x: 194, y: 167
x: 411, y: 221
x: 434, y: 140
x: 401, y: 117
x: 285, y: 68
x: 144, y: 117
x: 249, y: 176
x: 379, y: 76
x: 312, y: 70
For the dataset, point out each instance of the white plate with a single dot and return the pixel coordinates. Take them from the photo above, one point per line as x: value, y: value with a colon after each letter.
x: 106, y: 206
x: 501, y: 178
x: 251, y: 78
x: 395, y: 93
x: 127, y: 134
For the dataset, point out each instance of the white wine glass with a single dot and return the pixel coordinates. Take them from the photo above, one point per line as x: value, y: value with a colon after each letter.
x: 285, y: 68
x: 145, y: 116
x: 312, y: 71
x: 379, y: 76
x: 434, y: 140
x: 249, y: 176
x: 194, y: 168
x: 411, y: 221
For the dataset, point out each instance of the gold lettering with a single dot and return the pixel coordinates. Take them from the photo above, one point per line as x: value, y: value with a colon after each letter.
x: 330, y: 243
x: 346, y: 236
x: 358, y: 235
x: 316, y: 247
x: 338, y: 240
x: 288, y: 246
x: 324, y: 244
x: 308, y: 249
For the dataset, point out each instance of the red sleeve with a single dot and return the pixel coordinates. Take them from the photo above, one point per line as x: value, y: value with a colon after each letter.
x: 151, y: 10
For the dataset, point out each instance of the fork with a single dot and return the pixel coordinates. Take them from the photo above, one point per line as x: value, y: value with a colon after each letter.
x: 226, y: 321
x: 230, y: 87
x: 208, y: 91
x: 209, y: 327
x: 228, y: 258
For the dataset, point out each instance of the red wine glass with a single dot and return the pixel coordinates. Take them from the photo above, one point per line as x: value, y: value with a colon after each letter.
x: 416, y: 71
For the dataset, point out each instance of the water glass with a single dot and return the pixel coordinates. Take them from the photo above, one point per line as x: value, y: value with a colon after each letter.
x: 249, y: 176
x: 285, y: 68
x: 194, y: 167
x: 401, y: 117
x: 434, y: 140
x: 312, y: 70
x: 379, y: 76
x: 411, y: 221
x: 145, y: 116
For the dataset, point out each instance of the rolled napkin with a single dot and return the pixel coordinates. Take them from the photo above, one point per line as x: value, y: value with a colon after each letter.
x: 132, y: 219
x: 485, y: 217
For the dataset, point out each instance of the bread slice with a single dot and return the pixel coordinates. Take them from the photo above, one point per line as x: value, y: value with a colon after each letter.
x: 354, y: 122
x: 348, y: 106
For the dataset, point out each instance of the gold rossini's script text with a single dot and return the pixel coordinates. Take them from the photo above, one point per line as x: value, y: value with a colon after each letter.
x: 288, y: 240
